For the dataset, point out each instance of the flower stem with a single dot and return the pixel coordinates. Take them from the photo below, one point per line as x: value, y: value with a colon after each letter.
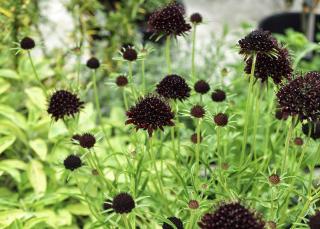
x: 197, y: 168
x: 125, y: 99
x: 193, y: 67
x: 36, y: 74
x: 168, y: 58
x: 131, y: 80
x: 143, y: 76
x: 248, y: 108
x: 286, y: 147
x: 125, y: 220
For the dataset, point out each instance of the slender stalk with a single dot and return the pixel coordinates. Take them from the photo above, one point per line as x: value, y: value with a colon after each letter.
x: 36, y: 74
x: 143, y: 76
x: 193, y: 67
x: 248, y: 108
x: 198, y: 150
x: 125, y: 220
x: 131, y: 80
x: 95, y: 90
x: 125, y: 99
x: 168, y: 57
x: 78, y: 69
x: 286, y: 147
x: 257, y: 103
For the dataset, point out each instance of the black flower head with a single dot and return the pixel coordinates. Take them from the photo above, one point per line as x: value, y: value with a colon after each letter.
x: 312, y: 129
x: 201, y: 87
x: 175, y: 221
x: 121, y: 81
x: 64, y: 103
x: 129, y: 53
x: 169, y: 21
x: 194, y: 138
x: 277, y: 66
x: 72, y: 162
x: 173, y: 87
x: 258, y: 41
x: 301, y: 97
x: 196, y: 18
x: 218, y: 95
x: 220, y: 119
x: 27, y: 43
x: 232, y: 215
x: 150, y: 113
x: 123, y: 203
x: 197, y: 111
x: 87, y: 140
x: 93, y: 63
x: 314, y: 221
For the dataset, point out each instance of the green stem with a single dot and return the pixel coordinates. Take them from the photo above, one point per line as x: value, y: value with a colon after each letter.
x: 78, y: 69
x: 168, y: 58
x: 95, y: 90
x: 143, y: 76
x: 286, y: 147
x: 125, y: 220
x: 125, y: 99
x: 36, y: 74
x: 248, y: 108
x: 131, y: 80
x: 193, y: 67
x: 197, y: 168
x: 257, y: 103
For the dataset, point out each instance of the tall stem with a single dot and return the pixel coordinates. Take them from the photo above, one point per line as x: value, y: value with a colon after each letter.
x: 197, y: 150
x: 143, y: 76
x: 96, y: 96
x: 36, y: 74
x: 168, y: 57
x: 125, y: 99
x: 131, y: 80
x: 193, y: 67
x: 286, y: 147
x: 248, y: 107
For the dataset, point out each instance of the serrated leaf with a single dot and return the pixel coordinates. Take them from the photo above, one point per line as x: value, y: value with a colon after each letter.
x: 37, y: 176
x: 6, y: 142
x: 40, y: 148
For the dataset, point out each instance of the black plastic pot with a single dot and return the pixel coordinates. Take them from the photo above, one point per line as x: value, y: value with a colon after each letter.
x: 279, y: 23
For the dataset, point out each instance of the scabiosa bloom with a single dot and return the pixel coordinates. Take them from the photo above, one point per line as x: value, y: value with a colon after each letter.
x: 301, y: 97
x: 64, y: 103
x: 277, y: 66
x: 314, y: 221
x: 121, y: 81
x: 312, y: 129
x: 72, y: 162
x: 123, y: 203
x: 218, y: 96
x: 129, y: 53
x: 232, y: 215
x: 274, y: 179
x: 196, y: 18
x: 201, y: 87
x: 175, y: 221
x: 27, y: 43
x: 93, y: 63
x: 150, y: 113
x: 173, y: 87
x: 194, y: 138
x: 197, y: 111
x: 169, y: 21
x: 258, y: 41
x: 87, y: 140
x: 220, y: 119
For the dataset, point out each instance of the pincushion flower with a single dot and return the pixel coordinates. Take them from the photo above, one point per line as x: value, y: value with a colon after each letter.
x: 72, y: 162
x: 123, y: 203
x: 169, y: 20
x: 150, y: 113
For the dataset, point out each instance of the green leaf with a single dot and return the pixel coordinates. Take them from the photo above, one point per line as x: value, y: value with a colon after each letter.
x: 9, y: 216
x: 10, y: 74
x: 6, y: 142
x: 4, y: 85
x: 40, y: 147
x: 57, y: 129
x: 78, y: 209
x: 37, y: 97
x: 37, y: 176
x: 13, y: 116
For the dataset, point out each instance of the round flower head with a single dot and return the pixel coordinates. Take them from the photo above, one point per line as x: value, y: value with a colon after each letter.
x: 93, y: 63
x: 232, y: 215
x: 196, y: 18
x: 277, y: 67
x: 150, y: 113
x: 197, y: 111
x: 175, y: 221
x: 129, y: 53
x: 201, y: 87
x: 298, y: 141
x: 301, y: 97
x: 218, y: 96
x: 258, y: 41
x: 87, y: 140
x: 194, y: 138
x: 220, y: 119
x: 64, y: 103
x: 72, y: 162
x: 312, y: 129
x: 193, y: 204
x: 274, y: 179
x: 121, y: 81
x: 169, y: 21
x: 173, y: 87
x: 27, y: 43
x: 314, y: 221
x: 123, y: 203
